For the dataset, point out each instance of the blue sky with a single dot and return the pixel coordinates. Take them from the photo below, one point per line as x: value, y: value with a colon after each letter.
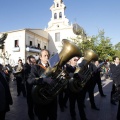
x: 92, y: 15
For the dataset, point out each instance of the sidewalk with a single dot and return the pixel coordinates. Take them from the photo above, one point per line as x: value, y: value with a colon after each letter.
x: 107, y: 110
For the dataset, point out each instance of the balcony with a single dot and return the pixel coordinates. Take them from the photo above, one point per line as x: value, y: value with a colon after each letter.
x: 16, y: 49
x: 33, y: 49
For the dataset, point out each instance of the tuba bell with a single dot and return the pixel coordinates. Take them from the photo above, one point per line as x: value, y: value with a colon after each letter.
x: 82, y: 74
x: 46, y: 93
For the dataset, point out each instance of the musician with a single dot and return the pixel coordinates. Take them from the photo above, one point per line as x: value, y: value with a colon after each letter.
x: 115, y: 70
x: 27, y: 67
x: 89, y: 87
x: 73, y: 97
x: 63, y: 96
x: 97, y: 78
x: 48, y: 110
x: 19, y: 75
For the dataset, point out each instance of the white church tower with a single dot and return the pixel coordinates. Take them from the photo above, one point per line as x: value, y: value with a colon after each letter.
x: 58, y: 27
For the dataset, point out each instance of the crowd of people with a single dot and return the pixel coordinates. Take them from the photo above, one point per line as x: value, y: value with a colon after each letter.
x: 27, y: 76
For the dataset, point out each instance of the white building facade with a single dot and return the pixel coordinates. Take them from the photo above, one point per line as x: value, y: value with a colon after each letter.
x: 58, y: 27
x: 21, y: 43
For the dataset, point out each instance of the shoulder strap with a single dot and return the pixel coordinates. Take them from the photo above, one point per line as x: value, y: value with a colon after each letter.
x: 42, y: 66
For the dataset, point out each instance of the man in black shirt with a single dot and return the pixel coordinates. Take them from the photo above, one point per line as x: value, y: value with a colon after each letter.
x: 27, y: 68
x: 115, y: 70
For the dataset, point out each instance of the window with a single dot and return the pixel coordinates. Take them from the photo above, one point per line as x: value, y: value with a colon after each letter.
x: 30, y: 43
x: 57, y: 5
x: 38, y: 45
x: 55, y: 16
x: 60, y: 15
x: 44, y: 47
x: 57, y: 37
x: 16, y: 44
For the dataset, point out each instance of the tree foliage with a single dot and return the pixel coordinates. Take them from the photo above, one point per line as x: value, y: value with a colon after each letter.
x: 2, y: 40
x: 117, y: 46
x: 99, y: 43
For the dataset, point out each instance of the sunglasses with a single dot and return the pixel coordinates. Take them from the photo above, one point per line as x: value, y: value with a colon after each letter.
x: 75, y: 59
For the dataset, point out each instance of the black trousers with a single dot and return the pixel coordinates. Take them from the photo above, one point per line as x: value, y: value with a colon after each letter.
x: 99, y: 83
x: 20, y: 86
x: 112, y: 91
x: 63, y: 98
x: 44, y: 112
x: 2, y: 115
x: 89, y: 87
x: 73, y: 97
x: 29, y: 100
x: 118, y: 111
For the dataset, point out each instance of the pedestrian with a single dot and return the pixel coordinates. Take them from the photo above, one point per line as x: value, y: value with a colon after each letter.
x: 19, y: 75
x: 27, y: 68
x: 97, y: 78
x: 89, y: 87
x: 115, y: 70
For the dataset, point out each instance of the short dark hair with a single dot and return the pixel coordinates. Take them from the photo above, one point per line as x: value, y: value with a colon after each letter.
x: 19, y: 60
x: 114, y: 58
x: 29, y: 57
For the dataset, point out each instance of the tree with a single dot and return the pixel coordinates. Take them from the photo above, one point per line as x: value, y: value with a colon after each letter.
x: 117, y: 53
x: 98, y: 43
x: 2, y: 40
x: 117, y: 49
x: 117, y: 46
x: 103, y: 46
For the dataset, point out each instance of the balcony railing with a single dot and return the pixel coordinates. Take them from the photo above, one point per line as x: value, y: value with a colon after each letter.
x: 32, y: 49
x: 16, y: 49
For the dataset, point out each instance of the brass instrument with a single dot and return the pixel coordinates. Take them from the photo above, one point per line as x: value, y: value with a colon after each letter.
x: 45, y: 93
x: 82, y: 74
x: 18, y: 69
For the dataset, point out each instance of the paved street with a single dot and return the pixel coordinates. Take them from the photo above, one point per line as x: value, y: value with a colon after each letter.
x: 107, y: 110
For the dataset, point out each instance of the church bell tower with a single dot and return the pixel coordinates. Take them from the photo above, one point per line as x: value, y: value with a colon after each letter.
x: 59, y: 27
x: 58, y: 18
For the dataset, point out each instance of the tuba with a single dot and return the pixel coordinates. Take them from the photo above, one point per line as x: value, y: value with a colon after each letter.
x: 82, y: 74
x: 45, y: 93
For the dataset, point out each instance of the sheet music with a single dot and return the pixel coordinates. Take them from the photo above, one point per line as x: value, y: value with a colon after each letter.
x: 54, y: 60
